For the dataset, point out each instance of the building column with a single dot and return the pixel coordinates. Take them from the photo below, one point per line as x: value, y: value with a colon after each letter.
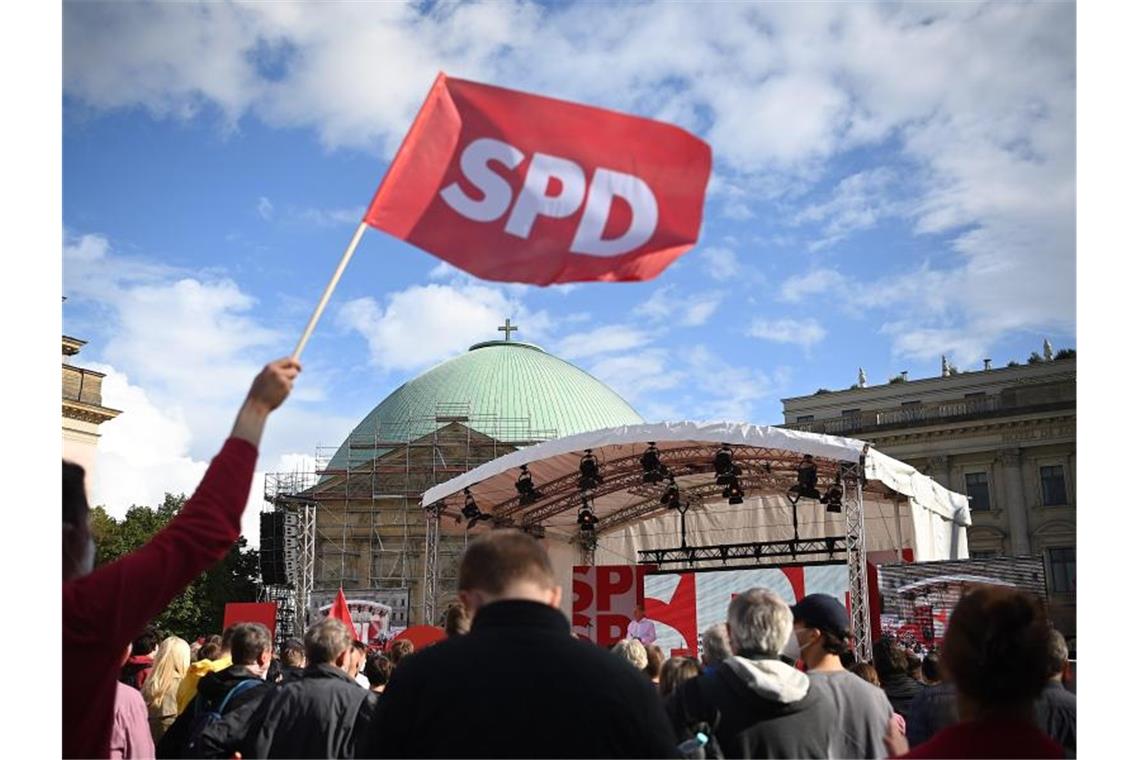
x: 1071, y: 481
x: 1015, y: 505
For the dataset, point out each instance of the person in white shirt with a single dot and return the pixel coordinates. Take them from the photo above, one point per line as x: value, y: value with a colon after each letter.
x: 641, y: 628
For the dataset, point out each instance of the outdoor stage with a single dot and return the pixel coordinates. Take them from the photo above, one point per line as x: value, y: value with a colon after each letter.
x: 692, y: 495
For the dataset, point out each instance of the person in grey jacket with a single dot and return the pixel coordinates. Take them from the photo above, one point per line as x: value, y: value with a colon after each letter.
x: 823, y: 632
x: 312, y: 717
x: 755, y: 704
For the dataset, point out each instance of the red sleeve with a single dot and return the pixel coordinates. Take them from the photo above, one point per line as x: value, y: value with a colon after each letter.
x: 109, y: 607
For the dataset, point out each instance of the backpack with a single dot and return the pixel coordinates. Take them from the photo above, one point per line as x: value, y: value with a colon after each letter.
x: 698, y: 736
x: 204, y: 718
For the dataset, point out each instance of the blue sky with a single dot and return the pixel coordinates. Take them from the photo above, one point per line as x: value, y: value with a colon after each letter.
x: 891, y: 183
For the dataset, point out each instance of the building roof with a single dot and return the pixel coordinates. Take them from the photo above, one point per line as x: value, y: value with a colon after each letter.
x: 509, y: 390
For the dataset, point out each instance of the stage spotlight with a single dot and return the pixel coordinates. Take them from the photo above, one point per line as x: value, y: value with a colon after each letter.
x: 654, y: 472
x: 722, y: 463
x: 807, y: 476
x: 587, y: 520
x: 471, y: 510
x: 833, y: 499
x: 733, y: 492
x: 672, y: 496
x: 591, y: 475
x: 525, y: 486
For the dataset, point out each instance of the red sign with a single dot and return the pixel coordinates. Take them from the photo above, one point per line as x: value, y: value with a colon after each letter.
x: 421, y: 636
x: 251, y: 612
x: 517, y: 187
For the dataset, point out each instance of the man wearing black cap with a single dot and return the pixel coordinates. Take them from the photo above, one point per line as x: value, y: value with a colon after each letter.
x: 822, y: 631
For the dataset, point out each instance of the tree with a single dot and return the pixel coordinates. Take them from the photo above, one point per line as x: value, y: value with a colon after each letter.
x: 1066, y: 353
x: 201, y: 607
x: 1034, y: 358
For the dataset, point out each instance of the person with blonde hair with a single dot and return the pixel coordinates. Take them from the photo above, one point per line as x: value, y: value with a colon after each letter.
x: 160, y: 691
x: 633, y: 652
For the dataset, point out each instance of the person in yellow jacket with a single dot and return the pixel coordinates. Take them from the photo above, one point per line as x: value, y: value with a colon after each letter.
x: 188, y: 689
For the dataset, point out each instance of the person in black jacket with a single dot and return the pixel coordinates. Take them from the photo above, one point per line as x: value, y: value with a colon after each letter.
x: 519, y: 684
x: 755, y: 704
x: 892, y: 663
x: 251, y: 648
x: 292, y: 660
x: 312, y: 717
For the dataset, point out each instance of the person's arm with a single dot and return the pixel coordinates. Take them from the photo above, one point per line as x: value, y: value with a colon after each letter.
x: 108, y: 607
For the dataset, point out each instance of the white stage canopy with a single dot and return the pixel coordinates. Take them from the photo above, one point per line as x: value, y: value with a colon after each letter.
x: 903, y: 509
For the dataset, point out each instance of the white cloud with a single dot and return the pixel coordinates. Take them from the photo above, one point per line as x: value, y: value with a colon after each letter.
x: 804, y: 333
x: 331, y: 217
x: 424, y: 324
x: 178, y: 350
x: 636, y: 376
x: 857, y: 202
x: 445, y: 271
x: 721, y: 263
x: 667, y: 305
x: 699, y: 307
x: 264, y: 208
x: 602, y: 340
x: 814, y: 282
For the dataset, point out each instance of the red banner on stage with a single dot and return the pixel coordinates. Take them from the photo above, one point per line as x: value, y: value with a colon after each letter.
x: 517, y: 187
x: 251, y: 612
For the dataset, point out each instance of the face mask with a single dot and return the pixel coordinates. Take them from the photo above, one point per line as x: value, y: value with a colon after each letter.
x: 791, y: 650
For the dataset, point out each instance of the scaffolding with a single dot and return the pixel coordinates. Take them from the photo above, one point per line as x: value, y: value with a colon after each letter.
x: 367, y: 530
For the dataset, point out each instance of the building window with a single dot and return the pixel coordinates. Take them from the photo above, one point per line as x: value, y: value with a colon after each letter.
x: 1053, y: 486
x: 978, y: 489
x: 851, y: 412
x: 984, y: 554
x: 806, y: 418
x: 1062, y: 569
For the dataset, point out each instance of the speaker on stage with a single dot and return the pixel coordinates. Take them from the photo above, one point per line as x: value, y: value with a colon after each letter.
x: 278, y: 548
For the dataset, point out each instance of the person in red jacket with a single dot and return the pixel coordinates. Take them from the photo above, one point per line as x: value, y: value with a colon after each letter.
x: 105, y: 609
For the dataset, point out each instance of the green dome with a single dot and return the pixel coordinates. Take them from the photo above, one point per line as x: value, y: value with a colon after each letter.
x: 508, y: 390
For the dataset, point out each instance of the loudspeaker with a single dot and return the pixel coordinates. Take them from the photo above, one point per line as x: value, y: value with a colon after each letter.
x: 278, y: 550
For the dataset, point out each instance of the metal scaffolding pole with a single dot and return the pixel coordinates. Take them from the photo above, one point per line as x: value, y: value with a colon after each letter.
x: 306, y: 562
x: 431, y: 561
x: 851, y: 475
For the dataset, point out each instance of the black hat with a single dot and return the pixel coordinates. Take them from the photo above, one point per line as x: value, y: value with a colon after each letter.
x: 822, y: 611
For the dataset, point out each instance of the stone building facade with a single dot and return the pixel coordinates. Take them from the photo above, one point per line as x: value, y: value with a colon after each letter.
x: 83, y: 410
x: 1004, y: 437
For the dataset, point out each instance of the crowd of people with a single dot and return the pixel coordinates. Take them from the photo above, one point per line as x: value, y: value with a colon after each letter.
x: 510, y: 680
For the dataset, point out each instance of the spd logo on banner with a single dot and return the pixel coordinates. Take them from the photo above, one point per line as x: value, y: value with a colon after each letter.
x: 517, y: 187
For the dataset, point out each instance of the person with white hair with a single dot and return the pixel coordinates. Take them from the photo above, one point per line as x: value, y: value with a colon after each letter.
x: 754, y: 704
x: 633, y: 652
x: 714, y: 646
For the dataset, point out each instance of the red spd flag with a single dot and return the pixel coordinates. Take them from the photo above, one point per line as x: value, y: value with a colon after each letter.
x: 516, y: 187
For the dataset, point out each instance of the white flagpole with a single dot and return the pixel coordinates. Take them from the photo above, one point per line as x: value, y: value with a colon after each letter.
x: 328, y: 291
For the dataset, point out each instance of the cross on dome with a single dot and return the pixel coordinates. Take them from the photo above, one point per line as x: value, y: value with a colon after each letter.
x: 508, y: 329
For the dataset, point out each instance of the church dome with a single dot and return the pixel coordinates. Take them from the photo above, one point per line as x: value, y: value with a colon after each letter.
x: 511, y: 391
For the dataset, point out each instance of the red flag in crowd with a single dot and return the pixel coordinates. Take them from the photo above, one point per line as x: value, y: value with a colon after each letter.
x: 339, y: 610
x: 517, y: 187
